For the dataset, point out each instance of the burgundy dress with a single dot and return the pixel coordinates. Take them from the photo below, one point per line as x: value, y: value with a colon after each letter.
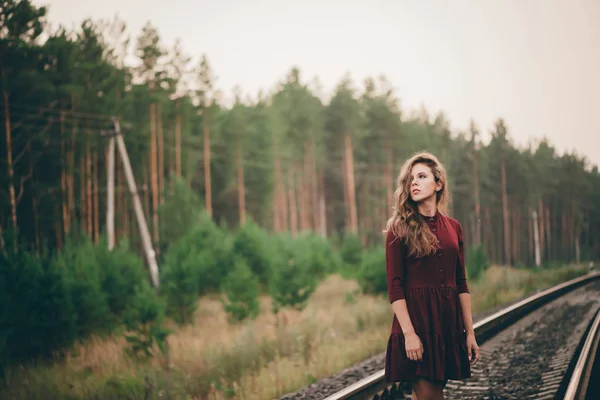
x: 430, y: 285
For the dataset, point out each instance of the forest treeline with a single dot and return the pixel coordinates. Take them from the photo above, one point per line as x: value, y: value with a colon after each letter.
x: 286, y: 159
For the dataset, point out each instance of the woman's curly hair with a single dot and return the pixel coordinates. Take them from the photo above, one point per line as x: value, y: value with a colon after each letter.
x: 406, y: 221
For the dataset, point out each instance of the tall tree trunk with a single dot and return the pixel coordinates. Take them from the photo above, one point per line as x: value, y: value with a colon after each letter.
x: 548, y: 232
x: 34, y: 199
x: 389, y: 181
x: 304, y: 191
x: 71, y: 157
x: 207, y: 178
x: 154, y: 173
x: 346, y: 193
x: 58, y: 228
x: 241, y: 186
x: 477, y: 199
x: 161, y: 156
x: 292, y: 198
x: 314, y: 185
x: 9, y: 161
x: 146, y: 172
x: 505, y: 214
x: 64, y: 194
x: 96, y: 196
x: 283, y: 201
x: 350, y: 176
x: 36, y: 225
x: 322, y: 206
x: 531, y: 247
x: 177, y: 140
x: 82, y: 196
x: 542, y: 230
x: 536, y: 238
x: 89, y: 205
x: 516, y: 237
x: 278, y: 215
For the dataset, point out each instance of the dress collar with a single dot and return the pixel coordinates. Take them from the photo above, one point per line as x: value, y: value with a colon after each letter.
x: 431, y: 219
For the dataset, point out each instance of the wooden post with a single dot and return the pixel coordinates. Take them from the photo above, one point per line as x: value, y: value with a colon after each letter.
x: 110, y: 192
x: 137, y: 205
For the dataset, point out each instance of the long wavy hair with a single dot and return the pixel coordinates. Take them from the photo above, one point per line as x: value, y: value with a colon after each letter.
x: 406, y: 221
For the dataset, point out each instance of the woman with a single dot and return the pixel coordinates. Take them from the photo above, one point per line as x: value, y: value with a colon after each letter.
x: 432, y: 338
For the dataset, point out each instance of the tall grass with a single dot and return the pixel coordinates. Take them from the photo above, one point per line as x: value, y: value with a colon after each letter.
x: 259, y: 359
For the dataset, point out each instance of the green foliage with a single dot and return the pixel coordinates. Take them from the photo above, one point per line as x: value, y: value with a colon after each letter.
x: 145, y: 324
x: 179, y: 213
x: 241, y: 288
x: 292, y: 282
x: 36, y: 311
x: 205, y: 251
x: 179, y: 286
x: 476, y: 262
x: 84, y: 276
x: 255, y: 246
x: 351, y: 250
x: 372, y: 276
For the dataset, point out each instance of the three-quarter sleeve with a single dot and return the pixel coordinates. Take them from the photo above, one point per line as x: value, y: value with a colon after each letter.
x: 395, y: 258
x: 461, y: 271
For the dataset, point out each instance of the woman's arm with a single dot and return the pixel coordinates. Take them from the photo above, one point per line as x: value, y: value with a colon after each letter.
x: 395, y: 256
x: 465, y: 299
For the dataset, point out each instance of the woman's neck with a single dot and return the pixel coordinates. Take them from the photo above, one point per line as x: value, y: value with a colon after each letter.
x: 427, y: 208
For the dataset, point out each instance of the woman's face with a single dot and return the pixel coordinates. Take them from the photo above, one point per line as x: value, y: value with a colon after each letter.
x: 422, y: 183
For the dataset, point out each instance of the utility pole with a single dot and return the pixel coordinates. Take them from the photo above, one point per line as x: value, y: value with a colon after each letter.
x: 137, y: 205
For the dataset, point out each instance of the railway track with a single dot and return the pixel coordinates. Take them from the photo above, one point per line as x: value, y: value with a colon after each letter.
x: 539, y: 348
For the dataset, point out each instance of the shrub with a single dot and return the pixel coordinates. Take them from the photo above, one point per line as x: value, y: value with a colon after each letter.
x: 180, y: 286
x: 36, y: 313
x: 292, y: 282
x: 372, y: 274
x: 255, y: 246
x: 83, y: 276
x: 322, y: 259
x: 241, y: 290
x: 144, y: 321
x: 179, y: 213
x: 351, y: 253
x: 476, y: 262
x: 206, y: 252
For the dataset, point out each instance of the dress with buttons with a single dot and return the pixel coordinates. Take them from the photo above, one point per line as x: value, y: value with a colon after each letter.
x: 430, y: 285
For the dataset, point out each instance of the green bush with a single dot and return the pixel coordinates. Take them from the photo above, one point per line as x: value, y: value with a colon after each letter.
x: 322, y: 259
x: 36, y: 313
x: 476, y: 262
x: 84, y: 275
x: 372, y: 274
x: 180, y: 286
x: 351, y: 253
x: 205, y: 251
x: 179, y: 213
x: 241, y: 288
x: 144, y: 321
x: 292, y: 282
x: 255, y: 246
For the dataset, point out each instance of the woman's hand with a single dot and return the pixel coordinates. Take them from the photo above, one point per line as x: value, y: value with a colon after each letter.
x: 414, y: 347
x: 472, y: 348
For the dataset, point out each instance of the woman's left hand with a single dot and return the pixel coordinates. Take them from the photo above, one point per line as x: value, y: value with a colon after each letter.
x: 472, y: 348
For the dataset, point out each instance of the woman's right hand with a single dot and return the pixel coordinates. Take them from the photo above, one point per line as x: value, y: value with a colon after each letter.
x: 414, y: 347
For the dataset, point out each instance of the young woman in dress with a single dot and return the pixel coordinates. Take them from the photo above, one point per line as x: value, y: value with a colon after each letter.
x: 432, y: 338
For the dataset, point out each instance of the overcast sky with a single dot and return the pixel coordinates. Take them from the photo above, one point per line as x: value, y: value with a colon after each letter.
x: 536, y: 63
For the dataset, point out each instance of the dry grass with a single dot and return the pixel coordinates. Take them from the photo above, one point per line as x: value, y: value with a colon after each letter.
x: 260, y: 359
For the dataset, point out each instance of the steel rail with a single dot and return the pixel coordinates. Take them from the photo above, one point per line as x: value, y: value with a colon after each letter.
x: 580, y: 377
